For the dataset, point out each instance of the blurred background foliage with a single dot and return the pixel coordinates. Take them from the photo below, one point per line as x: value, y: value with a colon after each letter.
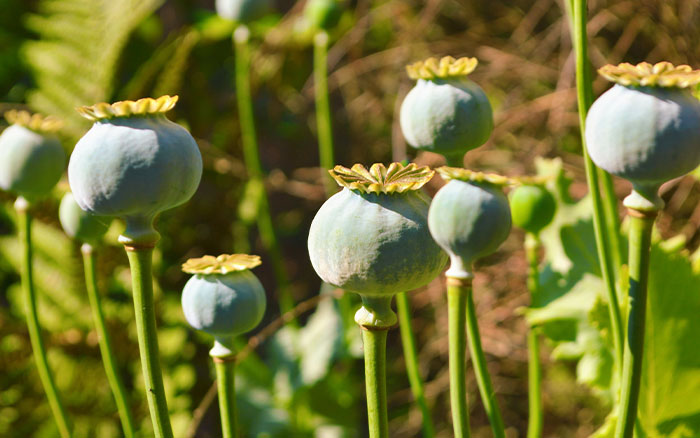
x: 306, y: 380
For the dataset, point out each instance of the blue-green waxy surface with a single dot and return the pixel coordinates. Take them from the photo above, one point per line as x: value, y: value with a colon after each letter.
x: 374, y: 244
x: 242, y: 11
x: 647, y: 135
x: 224, y: 305
x: 448, y: 116
x: 134, y: 167
x: 30, y: 163
x: 79, y: 224
x: 532, y: 208
x: 469, y: 221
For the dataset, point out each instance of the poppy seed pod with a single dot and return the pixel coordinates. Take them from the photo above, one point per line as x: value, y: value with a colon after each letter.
x: 242, y: 11
x: 445, y: 112
x: 134, y: 163
x: 469, y: 217
x: 532, y: 207
x: 223, y: 298
x: 372, y: 237
x: 31, y: 158
x: 79, y: 224
x: 646, y: 128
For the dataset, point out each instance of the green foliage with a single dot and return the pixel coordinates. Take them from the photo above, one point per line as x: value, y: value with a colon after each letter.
x: 75, y: 61
x: 574, y: 317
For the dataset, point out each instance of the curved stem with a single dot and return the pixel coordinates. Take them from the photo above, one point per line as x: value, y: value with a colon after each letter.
x: 323, y: 111
x: 24, y: 224
x: 601, y: 227
x: 251, y: 156
x: 375, y: 381
x: 105, y: 343
x: 140, y: 259
x: 225, y: 379
x: 639, y: 251
x: 534, y: 427
x: 483, y: 380
x: 403, y: 307
x: 457, y: 321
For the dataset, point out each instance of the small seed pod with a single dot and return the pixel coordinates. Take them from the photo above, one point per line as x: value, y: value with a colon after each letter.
x: 469, y: 217
x: 372, y: 237
x: 446, y: 112
x: 322, y: 14
x: 532, y: 207
x: 243, y: 11
x: 79, y: 224
x: 134, y: 163
x: 223, y: 298
x: 31, y: 158
x: 646, y: 128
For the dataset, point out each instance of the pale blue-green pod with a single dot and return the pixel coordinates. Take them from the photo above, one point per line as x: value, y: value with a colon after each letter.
x: 243, y: 11
x: 31, y: 158
x: 445, y: 112
x: 80, y: 224
x: 469, y: 219
x: 375, y: 243
x: 134, y: 165
x: 223, y: 298
x: 647, y: 134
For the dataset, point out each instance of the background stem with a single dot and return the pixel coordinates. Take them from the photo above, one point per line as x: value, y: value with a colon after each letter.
x: 225, y: 378
x: 323, y: 111
x: 403, y: 307
x: 603, y: 229
x: 483, y: 379
x: 639, y: 252
x: 457, y: 321
x: 375, y: 380
x: 534, y: 368
x: 104, y: 341
x: 24, y: 224
x: 140, y: 260
x: 251, y: 156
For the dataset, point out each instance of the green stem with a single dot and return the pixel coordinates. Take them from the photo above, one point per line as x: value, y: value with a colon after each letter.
x: 455, y: 160
x: 105, y: 343
x: 457, y: 321
x: 225, y: 379
x: 375, y: 380
x: 535, y: 416
x: 140, y: 259
x: 483, y: 380
x: 639, y: 251
x: 24, y: 224
x: 323, y: 111
x: 403, y: 306
x: 534, y: 372
x: 601, y: 227
x: 251, y: 156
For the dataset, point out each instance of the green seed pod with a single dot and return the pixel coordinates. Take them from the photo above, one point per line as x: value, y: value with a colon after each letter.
x: 243, y: 11
x: 134, y: 163
x: 322, y: 14
x: 372, y: 237
x: 79, y: 224
x: 532, y: 207
x: 446, y: 112
x: 31, y: 158
x: 646, y: 128
x: 223, y: 298
x: 469, y: 218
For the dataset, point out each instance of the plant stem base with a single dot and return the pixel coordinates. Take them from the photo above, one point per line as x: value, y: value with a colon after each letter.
x: 38, y: 348
x: 140, y: 259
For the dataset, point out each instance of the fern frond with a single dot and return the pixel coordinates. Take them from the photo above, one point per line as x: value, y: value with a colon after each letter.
x: 75, y: 59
